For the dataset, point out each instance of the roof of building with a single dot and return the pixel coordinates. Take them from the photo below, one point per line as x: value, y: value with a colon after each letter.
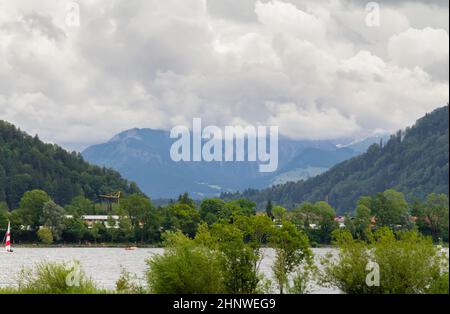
x: 96, y: 217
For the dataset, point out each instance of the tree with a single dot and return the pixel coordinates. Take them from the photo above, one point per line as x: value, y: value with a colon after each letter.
x: 434, y: 216
x: 186, y: 267
x: 183, y: 217
x: 136, y: 206
x: 32, y: 206
x: 239, y: 260
x: 111, y: 228
x: 350, y: 224
x: 80, y: 206
x: 212, y: 210
x: 305, y: 215
x: 16, y: 218
x: 53, y: 218
x: 241, y: 207
x: 365, y: 201
x: 316, y: 219
x: 153, y: 225
x: 141, y: 213
x: 292, y: 248
x: 186, y: 200
x: 362, y: 222
x: 327, y: 224
x: 390, y: 208
x: 98, y: 230
x: 74, y: 230
x: 4, y: 206
x: 269, y: 210
x: 45, y: 235
x: 4, y: 218
x: 126, y: 228
x: 279, y: 213
x: 408, y: 263
x: 257, y: 230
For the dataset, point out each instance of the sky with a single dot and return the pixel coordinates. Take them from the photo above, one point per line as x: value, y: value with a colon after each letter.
x: 317, y: 69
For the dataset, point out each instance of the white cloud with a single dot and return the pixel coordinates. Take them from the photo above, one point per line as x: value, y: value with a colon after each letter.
x: 426, y: 48
x: 297, y: 121
x: 281, y: 17
x: 314, y: 69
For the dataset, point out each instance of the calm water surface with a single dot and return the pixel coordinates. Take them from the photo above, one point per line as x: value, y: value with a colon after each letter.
x: 104, y: 265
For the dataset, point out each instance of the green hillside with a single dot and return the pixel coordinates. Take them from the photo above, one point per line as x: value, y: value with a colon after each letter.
x: 414, y: 161
x: 26, y: 163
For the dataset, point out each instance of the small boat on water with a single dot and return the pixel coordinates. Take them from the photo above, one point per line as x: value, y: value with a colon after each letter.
x: 131, y: 248
x: 7, y: 240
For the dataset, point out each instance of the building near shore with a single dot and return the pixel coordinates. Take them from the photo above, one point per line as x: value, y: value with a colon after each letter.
x: 90, y: 220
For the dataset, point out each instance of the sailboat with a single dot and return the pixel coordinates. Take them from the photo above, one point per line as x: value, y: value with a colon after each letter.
x: 8, y: 248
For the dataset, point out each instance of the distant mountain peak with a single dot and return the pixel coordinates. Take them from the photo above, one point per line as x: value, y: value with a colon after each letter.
x: 143, y: 155
x: 362, y: 144
x: 132, y: 133
x: 137, y: 134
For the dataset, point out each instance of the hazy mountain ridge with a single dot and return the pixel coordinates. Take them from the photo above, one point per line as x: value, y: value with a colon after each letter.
x: 143, y: 155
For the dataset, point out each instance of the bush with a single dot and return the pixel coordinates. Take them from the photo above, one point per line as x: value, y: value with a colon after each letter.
x: 409, y: 263
x: 217, y: 260
x: 55, y: 278
x: 45, y: 236
x: 129, y: 284
x: 301, y: 282
x: 186, y: 267
x: 440, y: 284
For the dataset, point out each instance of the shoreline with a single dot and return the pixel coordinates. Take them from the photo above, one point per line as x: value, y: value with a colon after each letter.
x: 138, y: 246
x: 118, y: 246
x: 93, y: 246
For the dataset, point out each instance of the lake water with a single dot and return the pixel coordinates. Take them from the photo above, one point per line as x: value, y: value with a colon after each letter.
x: 104, y: 265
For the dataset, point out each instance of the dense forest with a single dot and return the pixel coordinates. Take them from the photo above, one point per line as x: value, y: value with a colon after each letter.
x: 414, y: 161
x: 137, y: 220
x: 26, y: 163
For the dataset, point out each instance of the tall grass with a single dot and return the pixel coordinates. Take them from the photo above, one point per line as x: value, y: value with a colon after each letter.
x: 53, y: 278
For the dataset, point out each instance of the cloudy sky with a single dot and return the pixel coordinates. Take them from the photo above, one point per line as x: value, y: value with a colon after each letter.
x: 314, y: 68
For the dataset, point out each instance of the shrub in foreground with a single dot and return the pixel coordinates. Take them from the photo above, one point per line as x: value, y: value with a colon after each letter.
x: 408, y: 263
x: 55, y: 278
x: 184, y: 268
x: 292, y: 253
x: 129, y: 284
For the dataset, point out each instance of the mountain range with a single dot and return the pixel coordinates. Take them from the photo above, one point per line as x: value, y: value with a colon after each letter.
x: 143, y: 156
x: 414, y: 161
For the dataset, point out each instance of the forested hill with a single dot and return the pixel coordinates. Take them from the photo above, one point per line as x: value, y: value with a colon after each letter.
x: 414, y: 162
x: 27, y: 163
